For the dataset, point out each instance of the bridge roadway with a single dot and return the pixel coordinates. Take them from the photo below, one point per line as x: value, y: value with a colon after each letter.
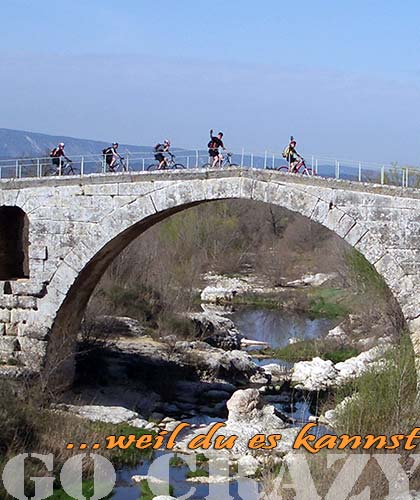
x: 74, y: 227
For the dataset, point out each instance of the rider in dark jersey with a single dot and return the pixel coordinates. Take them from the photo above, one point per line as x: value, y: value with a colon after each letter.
x: 58, y: 153
x: 111, y: 156
x: 292, y: 155
x: 214, y: 145
x: 160, y: 149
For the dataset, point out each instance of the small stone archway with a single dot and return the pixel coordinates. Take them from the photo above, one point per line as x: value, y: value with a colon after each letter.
x: 14, y: 243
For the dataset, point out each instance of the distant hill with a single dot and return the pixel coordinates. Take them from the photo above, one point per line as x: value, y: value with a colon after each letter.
x: 18, y: 144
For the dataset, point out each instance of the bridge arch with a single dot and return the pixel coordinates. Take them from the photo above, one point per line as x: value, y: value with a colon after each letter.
x: 78, y: 226
x: 62, y: 309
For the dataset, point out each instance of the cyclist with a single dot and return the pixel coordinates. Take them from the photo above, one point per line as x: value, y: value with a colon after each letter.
x: 111, y: 156
x: 160, y: 149
x: 292, y: 155
x: 214, y: 145
x: 57, y: 153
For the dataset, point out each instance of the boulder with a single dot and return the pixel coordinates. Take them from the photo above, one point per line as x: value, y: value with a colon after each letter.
x: 315, y: 375
x: 354, y: 367
x: 118, y: 326
x: 278, y: 373
x: 314, y: 280
x: 216, y: 330
x: 249, y: 415
x: 337, y: 333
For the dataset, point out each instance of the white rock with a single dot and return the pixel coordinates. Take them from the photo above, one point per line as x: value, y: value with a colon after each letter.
x: 248, y: 465
x: 336, y: 333
x: 354, y: 367
x: 315, y: 375
x: 107, y: 414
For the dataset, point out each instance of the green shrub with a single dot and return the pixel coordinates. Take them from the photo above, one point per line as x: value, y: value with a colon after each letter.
x: 384, y: 399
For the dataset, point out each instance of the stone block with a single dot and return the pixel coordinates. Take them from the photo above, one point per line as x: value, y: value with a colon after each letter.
x: 38, y: 252
x: 8, y: 344
x: 4, y: 315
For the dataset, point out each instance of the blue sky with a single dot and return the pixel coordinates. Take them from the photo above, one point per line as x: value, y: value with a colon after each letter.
x: 343, y: 77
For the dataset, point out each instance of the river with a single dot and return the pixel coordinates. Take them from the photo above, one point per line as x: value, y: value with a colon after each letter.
x: 277, y: 329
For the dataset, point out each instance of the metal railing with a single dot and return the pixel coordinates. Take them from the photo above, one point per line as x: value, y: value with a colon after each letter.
x: 323, y: 166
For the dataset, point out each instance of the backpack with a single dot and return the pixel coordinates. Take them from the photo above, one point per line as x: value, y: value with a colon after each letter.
x: 286, y: 152
x: 106, y: 151
x: 158, y: 148
x: 212, y: 145
x: 53, y: 152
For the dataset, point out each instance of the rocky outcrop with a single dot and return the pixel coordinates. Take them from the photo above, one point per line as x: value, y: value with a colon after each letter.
x: 249, y: 415
x: 320, y: 374
x: 313, y: 280
x: 222, y: 289
x: 117, y: 326
x: 315, y: 375
x: 107, y: 414
x: 215, y: 329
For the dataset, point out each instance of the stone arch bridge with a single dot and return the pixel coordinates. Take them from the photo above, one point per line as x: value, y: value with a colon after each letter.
x: 58, y: 235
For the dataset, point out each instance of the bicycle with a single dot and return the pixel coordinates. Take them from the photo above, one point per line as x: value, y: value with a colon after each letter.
x: 170, y: 164
x: 66, y: 169
x: 300, y: 168
x: 225, y: 161
x: 118, y: 165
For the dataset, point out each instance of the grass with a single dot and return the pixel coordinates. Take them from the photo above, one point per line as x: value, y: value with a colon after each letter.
x: 29, y: 426
x: 328, y: 303
x: 131, y: 456
x: 366, y: 275
x: 306, y: 350
x: 87, y: 489
x: 200, y: 472
x: 341, y: 354
x: 147, y: 494
x: 386, y: 400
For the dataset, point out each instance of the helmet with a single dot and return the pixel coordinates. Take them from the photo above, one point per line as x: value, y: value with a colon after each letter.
x: 292, y: 140
x: 61, y: 145
x: 167, y: 142
x: 115, y: 144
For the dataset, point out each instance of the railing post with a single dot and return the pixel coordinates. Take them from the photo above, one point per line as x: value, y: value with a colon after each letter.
x: 383, y: 174
x: 312, y: 162
x: 142, y: 164
x: 242, y: 158
x: 406, y: 178
x: 17, y: 168
x: 59, y: 166
x: 274, y: 161
x: 252, y: 160
x: 316, y: 166
x: 196, y: 159
x: 360, y: 171
x: 127, y: 162
x: 337, y: 169
x: 265, y: 159
x: 82, y: 166
x: 38, y: 168
x: 188, y: 162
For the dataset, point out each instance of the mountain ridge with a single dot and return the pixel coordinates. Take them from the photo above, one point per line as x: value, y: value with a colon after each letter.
x: 21, y: 143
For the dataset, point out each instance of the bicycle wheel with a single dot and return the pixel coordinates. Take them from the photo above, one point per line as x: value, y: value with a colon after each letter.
x: 307, y: 171
x: 73, y: 171
x: 233, y: 165
x: 178, y: 165
x: 206, y: 165
x: 284, y: 168
x: 151, y: 167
